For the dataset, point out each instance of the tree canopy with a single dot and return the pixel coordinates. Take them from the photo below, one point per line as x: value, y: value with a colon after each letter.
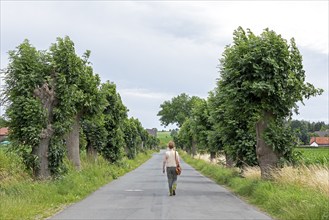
x: 55, y: 99
x: 261, y: 80
x: 177, y: 110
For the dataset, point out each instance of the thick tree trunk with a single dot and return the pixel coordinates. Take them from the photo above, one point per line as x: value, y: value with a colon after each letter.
x: 72, y: 143
x: 47, y: 97
x: 267, y: 157
x: 43, y: 172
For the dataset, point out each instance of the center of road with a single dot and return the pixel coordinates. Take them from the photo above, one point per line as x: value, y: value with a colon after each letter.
x: 143, y: 194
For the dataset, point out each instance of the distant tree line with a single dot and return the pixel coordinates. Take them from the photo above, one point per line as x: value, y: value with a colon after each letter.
x: 304, y: 130
x: 247, y: 116
x: 57, y: 106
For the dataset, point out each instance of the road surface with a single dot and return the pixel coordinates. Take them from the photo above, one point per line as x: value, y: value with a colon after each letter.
x: 143, y: 194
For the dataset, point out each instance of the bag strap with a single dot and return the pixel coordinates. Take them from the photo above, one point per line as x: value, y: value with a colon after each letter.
x: 177, y: 163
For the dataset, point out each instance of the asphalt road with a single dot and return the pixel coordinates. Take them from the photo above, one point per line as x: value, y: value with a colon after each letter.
x: 143, y: 194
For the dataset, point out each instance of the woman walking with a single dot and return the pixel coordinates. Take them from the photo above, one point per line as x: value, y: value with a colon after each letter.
x: 171, y: 159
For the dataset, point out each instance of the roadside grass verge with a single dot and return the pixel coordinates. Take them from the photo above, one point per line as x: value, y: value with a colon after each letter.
x: 21, y: 197
x: 280, y: 199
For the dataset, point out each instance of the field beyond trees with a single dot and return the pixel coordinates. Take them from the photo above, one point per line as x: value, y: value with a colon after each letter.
x: 314, y: 155
x: 164, y: 137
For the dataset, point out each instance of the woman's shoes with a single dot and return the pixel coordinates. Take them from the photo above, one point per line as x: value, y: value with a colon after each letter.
x: 174, y: 188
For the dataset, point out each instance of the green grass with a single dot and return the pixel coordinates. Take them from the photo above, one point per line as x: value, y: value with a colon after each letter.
x: 280, y: 200
x: 319, y: 155
x: 23, y: 198
x: 164, y: 137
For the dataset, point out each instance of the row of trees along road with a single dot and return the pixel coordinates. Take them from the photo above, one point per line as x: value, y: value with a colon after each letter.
x: 261, y: 80
x: 54, y: 100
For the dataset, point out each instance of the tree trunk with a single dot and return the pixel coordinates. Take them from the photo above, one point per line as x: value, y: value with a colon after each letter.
x: 193, y: 148
x: 229, y: 160
x: 72, y: 143
x: 267, y: 157
x: 91, y: 152
x: 212, y: 156
x: 46, y: 95
x: 43, y: 172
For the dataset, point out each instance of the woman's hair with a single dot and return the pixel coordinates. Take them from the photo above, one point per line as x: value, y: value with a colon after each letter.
x: 171, y: 144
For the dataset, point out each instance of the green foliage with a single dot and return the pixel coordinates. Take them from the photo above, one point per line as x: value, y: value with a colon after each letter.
x: 280, y: 137
x: 152, y: 142
x: 259, y: 74
x: 115, y: 114
x: 231, y: 131
x: 267, y: 71
x: 3, y: 122
x: 132, y: 129
x: 56, y: 156
x: 45, y: 91
x: 202, y: 125
x: 26, y: 71
x: 94, y: 130
x: 177, y: 110
x: 185, y: 136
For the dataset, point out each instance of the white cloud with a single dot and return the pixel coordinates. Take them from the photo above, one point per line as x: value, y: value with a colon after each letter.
x: 144, y: 93
x: 156, y: 50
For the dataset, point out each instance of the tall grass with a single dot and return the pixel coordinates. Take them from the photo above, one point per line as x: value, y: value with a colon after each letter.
x: 315, y: 177
x: 282, y: 199
x: 23, y: 198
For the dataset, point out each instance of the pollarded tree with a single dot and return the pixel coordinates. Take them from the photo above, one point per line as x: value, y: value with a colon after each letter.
x: 77, y: 92
x: 200, y: 115
x: 232, y: 128
x: 115, y: 114
x: 186, y: 137
x: 264, y: 76
x: 95, y: 133
x: 214, y: 138
x: 131, y: 137
x: 151, y: 141
x: 30, y: 93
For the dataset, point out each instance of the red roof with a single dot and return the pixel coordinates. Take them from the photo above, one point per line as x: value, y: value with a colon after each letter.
x: 3, y: 131
x: 320, y: 140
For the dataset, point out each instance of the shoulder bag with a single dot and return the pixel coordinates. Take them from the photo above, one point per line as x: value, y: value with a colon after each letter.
x: 178, y: 167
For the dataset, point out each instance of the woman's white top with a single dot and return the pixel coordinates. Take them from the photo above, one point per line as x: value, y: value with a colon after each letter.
x: 170, y: 158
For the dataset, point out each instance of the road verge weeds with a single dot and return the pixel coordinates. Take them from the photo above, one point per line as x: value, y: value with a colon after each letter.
x: 24, y: 198
x: 280, y: 199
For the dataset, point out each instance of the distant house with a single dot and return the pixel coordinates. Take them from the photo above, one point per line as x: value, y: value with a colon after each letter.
x: 319, y: 141
x: 152, y: 131
x: 3, y: 133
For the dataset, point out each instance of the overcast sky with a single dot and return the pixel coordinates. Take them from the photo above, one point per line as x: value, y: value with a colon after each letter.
x: 155, y: 50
